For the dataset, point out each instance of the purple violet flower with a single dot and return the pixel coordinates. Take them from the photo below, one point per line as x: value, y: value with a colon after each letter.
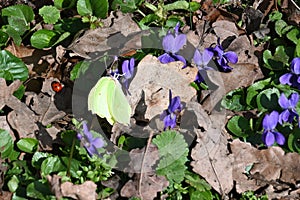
x: 91, y: 144
x: 223, y: 58
x: 270, y: 135
x: 128, y: 71
x: 293, y: 78
x: 171, y: 45
x: 201, y: 60
x: 289, y: 106
x: 169, y: 116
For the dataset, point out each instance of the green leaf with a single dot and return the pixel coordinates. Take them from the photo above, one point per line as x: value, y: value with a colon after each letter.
x: 293, y: 140
x: 173, y: 151
x: 177, y: 5
x: 127, y: 6
x: 50, y: 14
x: 198, y: 195
x: 268, y: 99
x: 172, y: 21
x: 78, y: 69
x: 38, y: 158
x: 293, y: 35
x: 28, y: 145
x: 44, y: 38
x: 234, y: 100
x: 170, y: 144
x: 274, y: 16
x: 254, y: 90
x: 297, y: 51
x: 39, y: 190
x: 13, y: 34
x: 143, y: 23
x: 52, y: 164
x: 194, y: 6
x: 100, y: 8
x: 12, y: 67
x: 13, y: 183
x: 64, y: 3
x: 84, y: 7
x: 6, y: 144
x: 21, y: 11
x: 20, y: 92
x: 195, y: 181
x: 18, y: 17
x: 71, y: 25
x: 279, y: 26
x: 278, y: 61
x: 3, y: 39
x: 239, y: 126
x: 59, y: 164
x: 61, y: 38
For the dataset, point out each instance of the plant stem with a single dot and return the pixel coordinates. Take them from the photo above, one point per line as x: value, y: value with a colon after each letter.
x: 70, y: 158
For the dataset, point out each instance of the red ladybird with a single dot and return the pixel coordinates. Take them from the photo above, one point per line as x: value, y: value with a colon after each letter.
x: 57, y: 86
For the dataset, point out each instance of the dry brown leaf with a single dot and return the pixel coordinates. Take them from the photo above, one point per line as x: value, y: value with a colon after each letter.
x: 44, y: 107
x: 22, y: 119
x: 225, y: 29
x: 210, y: 156
x: 112, y: 36
x: 84, y: 191
x: 270, y: 167
x: 55, y: 182
x: 155, y: 79
x: 148, y: 189
x: 146, y: 184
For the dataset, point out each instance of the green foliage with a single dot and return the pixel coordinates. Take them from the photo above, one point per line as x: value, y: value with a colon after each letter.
x: 278, y: 61
x: 91, y: 10
x: 234, y: 100
x: 239, y: 126
x: 47, y: 38
x: 78, y: 69
x: 126, y: 6
x: 60, y: 4
x: 293, y: 140
x: 12, y: 67
x: 50, y: 14
x: 199, y: 189
x: 18, y: 18
x: 28, y: 145
x: 251, y: 196
x: 6, y: 144
x: 173, y: 151
x: 160, y: 16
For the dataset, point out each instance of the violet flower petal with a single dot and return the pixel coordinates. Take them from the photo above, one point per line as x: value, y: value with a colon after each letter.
x: 295, y: 66
x: 283, y: 101
x: 179, y: 42
x: 175, y: 104
x: 280, y: 139
x: 231, y: 56
x: 268, y: 138
x: 98, y: 142
x: 168, y: 42
x: 285, y: 79
x: 206, y: 56
x: 294, y: 98
x: 284, y: 116
x: 165, y: 58
x: 270, y: 121
x: 197, y: 57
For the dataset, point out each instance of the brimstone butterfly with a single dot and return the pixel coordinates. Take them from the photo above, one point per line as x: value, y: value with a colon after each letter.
x: 107, y: 100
